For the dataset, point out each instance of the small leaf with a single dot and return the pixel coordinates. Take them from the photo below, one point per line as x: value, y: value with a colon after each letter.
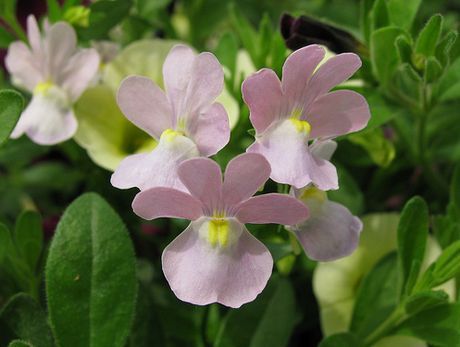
x: 433, y: 70
x: 11, y: 104
x: 19, y: 343
x: 447, y: 265
x: 424, y: 300
x: 5, y: 241
x: 425, y: 46
x: 402, y: 13
x: 379, y: 15
x: 23, y: 318
x: 266, y: 322
x: 444, y: 46
x: 404, y: 49
x: 439, y: 325
x: 412, y: 235
x: 226, y: 52
x: 54, y: 10
x: 376, y: 297
x: 5, y: 38
x: 381, y: 150
x: 28, y: 235
x: 245, y: 32
x: 341, y: 340
x: 90, y: 272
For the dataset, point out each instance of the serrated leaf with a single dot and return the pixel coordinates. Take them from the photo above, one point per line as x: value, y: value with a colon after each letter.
x: 424, y: 300
x: 266, y: 322
x: 376, y: 297
x: 439, y: 325
x: 90, y: 276
x: 11, y: 104
x: 412, y: 236
x: 23, y: 318
x: 341, y: 340
x: 28, y: 236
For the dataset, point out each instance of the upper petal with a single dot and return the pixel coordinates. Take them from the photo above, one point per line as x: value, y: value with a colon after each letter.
x: 203, y: 179
x: 166, y: 202
x: 80, y: 70
x: 201, y: 274
x: 299, y: 67
x: 338, y: 113
x: 244, y: 175
x: 263, y: 95
x: 155, y: 169
x: 272, y: 208
x: 60, y: 44
x: 330, y: 233
x: 210, y: 130
x: 23, y: 66
x: 145, y: 104
x: 33, y: 35
x: 333, y: 72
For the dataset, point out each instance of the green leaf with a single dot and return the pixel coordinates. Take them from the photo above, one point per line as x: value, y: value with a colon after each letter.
x: 19, y: 343
x: 439, y: 325
x: 11, y: 104
x: 447, y: 265
x: 5, y: 241
x: 266, y: 322
x: 341, y: 340
x: 455, y: 191
x: 449, y: 84
x: 381, y: 150
x: 379, y: 15
x: 54, y: 10
x: 433, y: 70
x: 23, y: 318
x: 28, y: 235
x: 264, y: 39
x: 425, y: 46
x: 90, y: 276
x: 349, y: 193
x: 245, y: 32
x: 424, y: 300
x: 365, y: 17
x: 226, y: 52
x: 444, y: 46
x: 412, y: 236
x: 376, y: 297
x: 404, y: 49
x: 5, y: 38
x: 402, y: 13
x: 384, y: 55
x: 105, y: 14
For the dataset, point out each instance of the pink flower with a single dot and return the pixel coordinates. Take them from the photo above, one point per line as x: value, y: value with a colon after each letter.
x: 331, y: 231
x: 288, y: 114
x: 185, y: 120
x: 216, y: 259
x: 57, y: 73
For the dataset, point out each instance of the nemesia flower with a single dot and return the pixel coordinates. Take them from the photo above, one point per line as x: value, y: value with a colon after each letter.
x: 331, y: 232
x: 216, y: 259
x: 185, y: 120
x: 288, y: 114
x: 56, y: 73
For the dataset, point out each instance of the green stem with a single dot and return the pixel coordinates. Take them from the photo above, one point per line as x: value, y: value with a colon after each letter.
x: 386, y: 327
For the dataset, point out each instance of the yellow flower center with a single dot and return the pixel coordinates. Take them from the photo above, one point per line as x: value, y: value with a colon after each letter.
x: 302, y: 126
x: 43, y: 87
x: 169, y: 135
x: 313, y: 193
x: 218, y: 231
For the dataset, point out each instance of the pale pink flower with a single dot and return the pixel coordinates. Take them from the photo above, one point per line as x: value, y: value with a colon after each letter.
x: 57, y: 73
x: 216, y: 259
x: 288, y: 114
x: 331, y: 231
x: 185, y: 120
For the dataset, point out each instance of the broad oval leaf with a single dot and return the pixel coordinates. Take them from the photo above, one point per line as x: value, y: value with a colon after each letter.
x: 91, y: 280
x: 11, y: 104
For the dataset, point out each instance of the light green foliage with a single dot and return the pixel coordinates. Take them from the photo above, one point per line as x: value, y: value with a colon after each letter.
x: 424, y: 300
x: 427, y: 40
x: 402, y: 13
x: 90, y: 276
x: 11, y: 104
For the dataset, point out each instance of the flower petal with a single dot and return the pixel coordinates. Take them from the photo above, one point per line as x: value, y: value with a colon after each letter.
x: 299, y: 67
x: 23, y: 66
x: 166, y: 202
x: 322, y: 173
x: 330, y: 233
x: 203, y: 179
x: 210, y: 130
x: 286, y: 150
x: 333, y: 72
x: 272, y: 208
x: 80, y: 70
x: 33, y: 35
x: 263, y: 95
x: 338, y: 113
x: 46, y: 121
x: 60, y: 45
x: 145, y: 104
x: 323, y: 149
x: 244, y: 175
x: 155, y: 169
x: 201, y: 274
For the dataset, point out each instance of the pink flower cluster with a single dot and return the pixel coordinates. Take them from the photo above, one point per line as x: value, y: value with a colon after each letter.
x: 216, y: 259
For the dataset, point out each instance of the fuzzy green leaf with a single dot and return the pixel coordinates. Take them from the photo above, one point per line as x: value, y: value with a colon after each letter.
x: 425, y: 46
x: 11, y: 104
x: 90, y: 273
x: 402, y: 13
